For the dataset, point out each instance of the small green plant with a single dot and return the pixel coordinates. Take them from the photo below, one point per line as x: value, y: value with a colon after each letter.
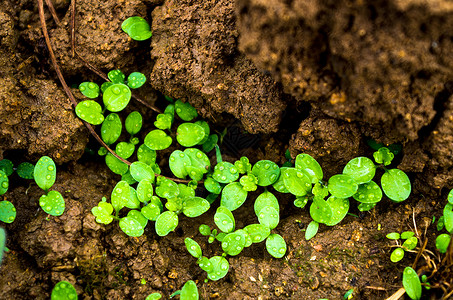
x: 412, y: 284
x: 445, y: 221
x: 188, y: 292
x: 45, y: 173
x: 2, y: 243
x: 153, y: 296
x: 64, y: 290
x: 410, y: 242
x: 137, y: 28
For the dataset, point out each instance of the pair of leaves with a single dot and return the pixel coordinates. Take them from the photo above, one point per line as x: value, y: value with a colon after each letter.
x: 137, y: 28
x: 191, y: 134
x: 192, y: 162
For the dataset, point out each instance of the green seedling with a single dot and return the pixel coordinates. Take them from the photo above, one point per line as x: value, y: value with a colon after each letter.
x: 2, y: 243
x: 137, y: 28
x: 412, y: 284
x: 45, y: 173
x: 64, y: 290
x: 7, y: 211
x: 153, y: 296
x: 410, y: 242
x: 442, y: 242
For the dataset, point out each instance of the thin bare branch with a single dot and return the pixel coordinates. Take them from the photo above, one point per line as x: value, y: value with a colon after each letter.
x: 53, y: 12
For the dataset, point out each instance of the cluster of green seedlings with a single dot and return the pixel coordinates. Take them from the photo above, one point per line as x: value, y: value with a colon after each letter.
x: 412, y: 283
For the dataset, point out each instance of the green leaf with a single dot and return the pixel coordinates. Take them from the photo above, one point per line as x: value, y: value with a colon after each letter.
x: 279, y: 185
x: 111, y: 128
x: 90, y: 111
x: 189, y: 134
x: 233, y: 196
x: 139, y: 170
x: 368, y: 192
x: 225, y: 172
x: 45, y: 173
x: 224, y: 219
x: 137, y: 28
x: 134, y: 224
x: 6, y: 166
x: 198, y: 160
x: 249, y: 182
x: 410, y: 243
x: 312, y: 230
x: 204, y: 230
x: 383, y: 156
x: 52, y: 203
x: 393, y: 236
x: 146, y: 155
x: 120, y: 195
x: 167, y: 188
x: 103, y: 212
x: 448, y: 217
x: 136, y: 80
x: 269, y: 216
x: 296, y: 182
x: 145, y: 190
x: 116, y: 97
x: 4, y: 182
x: 64, y: 290
x: 89, y: 89
x: 2, y: 243
x: 396, y: 185
x: 134, y: 122
x: 397, y: 255
x: 310, y: 167
x: 153, y: 296
x: 442, y: 242
x: 212, y: 186
x: 412, y: 284
x: 7, y: 212
x: 361, y: 169
x: 125, y: 149
x: 266, y: 171
x: 320, y: 211
x: 407, y: 234
x: 166, y: 222
x: 366, y: 206
x: 189, y: 291
x: 342, y: 186
x: 105, y: 85
x: 210, y: 143
x: 339, y: 207
x: 158, y: 140
x: 116, y: 165
x: 193, y: 247
x: 195, y: 206
x: 276, y: 245
x: 266, y: 199
x: 257, y: 232
x: 116, y: 76
x: 233, y: 243
x: 25, y: 170
x: 301, y: 201
x: 450, y: 197
x: 153, y: 209
x: 185, y: 111
x: 219, y: 269
x: 320, y: 190
x: 163, y: 121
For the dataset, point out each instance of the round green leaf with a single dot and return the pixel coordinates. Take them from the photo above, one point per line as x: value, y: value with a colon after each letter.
x: 111, y: 128
x: 383, y: 156
x: 193, y: 247
x: 339, y: 207
x: 153, y: 209
x: 189, y: 134
x: 206, y: 130
x: 266, y: 171
x: 225, y: 172
x: 116, y: 97
x: 146, y: 155
x: 116, y: 165
x: 205, y: 264
x: 185, y: 111
x: 89, y: 89
x: 120, y: 195
x: 210, y: 143
x: 133, y: 123
x: 366, y: 206
x: 410, y: 243
x: 204, y: 230
x: 136, y: 80
x: 396, y: 185
x: 266, y: 199
x: 269, y: 216
x: 163, y: 121
x: 342, y: 186
x: 4, y: 183
x: 25, y: 170
x: 157, y: 140
x: 233, y: 196
x: 64, y: 290
x: 224, y: 219
x: 450, y: 197
x: 145, y: 190
x: 166, y: 222
x: 103, y: 212
x: 125, y: 149
x: 320, y: 211
x: 249, y: 182
x: 407, y: 234
x: 312, y: 230
x: 412, y: 284
x: 361, y: 169
x: 448, y: 217
x: 134, y: 224
x: 6, y: 166
x: 189, y: 291
x: 257, y: 232
x: 368, y: 192
x: 393, y: 236
x: 90, y: 111
x: 276, y: 245
x: 198, y: 160
x: 219, y: 269
x: 442, y: 242
x: 7, y: 212
x: 52, y: 203
x: 45, y: 173
x: 137, y: 28
x: 296, y: 182
x: 153, y: 296
x: 233, y: 243
x: 105, y: 85
x: 178, y: 162
x: 139, y: 170
x: 279, y: 185
x: 116, y: 76
x: 195, y: 206
x: 301, y: 201
x: 167, y: 188
x: 397, y: 255
x: 212, y: 186
x: 310, y: 167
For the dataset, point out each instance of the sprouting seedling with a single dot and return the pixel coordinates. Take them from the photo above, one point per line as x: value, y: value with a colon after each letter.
x: 153, y: 296
x: 188, y: 292
x: 412, y: 284
x: 445, y: 221
x: 64, y: 290
x: 410, y: 242
x: 45, y: 173
x: 137, y: 28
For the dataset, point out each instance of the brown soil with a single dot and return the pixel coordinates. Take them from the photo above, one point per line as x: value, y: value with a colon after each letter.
x: 320, y: 77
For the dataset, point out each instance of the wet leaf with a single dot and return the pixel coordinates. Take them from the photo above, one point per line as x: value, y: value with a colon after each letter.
x: 139, y: 170
x: 145, y: 190
x: 342, y: 186
x: 195, y: 206
x: 136, y: 80
x: 320, y: 211
x: 7, y: 212
x: 89, y: 89
x: 368, y: 192
x: 397, y: 255
x: 146, y: 155
x: 116, y: 97
x: 189, y: 291
x: 225, y: 172
x: 134, y: 224
x: 185, y: 111
x: 393, y: 236
x: 25, y: 170
x: 153, y: 209
x: 45, y: 173
x: 125, y: 149
x: 120, y: 195
x: 249, y: 182
x: 137, y: 28
x: 103, y: 212
x: 396, y: 185
x: 361, y: 169
x: 412, y: 284
x: 210, y: 143
x: 442, y: 242
x: 257, y: 232
x: 167, y: 188
x: 383, y: 156
x: 233, y: 196
x: 6, y: 166
x: 163, y: 121
x: 116, y: 76
x: 111, y: 128
x: 296, y: 182
x: 157, y: 140
x: 410, y: 243
x: 269, y: 216
x: 116, y: 165
x: 339, y: 207
x: 219, y: 269
x: 224, y: 219
x: 233, y: 243
x: 193, y: 247
x: 312, y: 230
x: 133, y: 123
x: 266, y: 199
x: 212, y: 186
x: 276, y: 245
x: 266, y: 171
x: 166, y: 222
x: 189, y: 134
x: 90, y: 111
x: 310, y: 167
x: 52, y: 203
x: 4, y: 183
x: 64, y: 290
x: 448, y: 217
